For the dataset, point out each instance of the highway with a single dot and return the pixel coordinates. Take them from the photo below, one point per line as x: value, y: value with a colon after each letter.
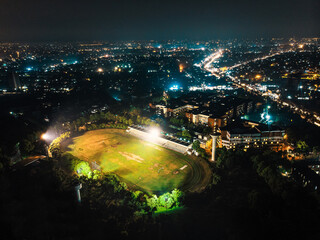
x: 207, y: 64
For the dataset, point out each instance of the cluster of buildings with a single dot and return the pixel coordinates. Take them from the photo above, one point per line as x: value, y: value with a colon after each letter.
x: 215, y: 112
x: 223, y: 114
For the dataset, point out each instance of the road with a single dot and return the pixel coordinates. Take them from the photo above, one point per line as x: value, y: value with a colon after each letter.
x: 207, y: 64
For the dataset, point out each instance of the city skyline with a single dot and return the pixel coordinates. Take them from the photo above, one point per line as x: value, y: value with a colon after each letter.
x: 160, y: 119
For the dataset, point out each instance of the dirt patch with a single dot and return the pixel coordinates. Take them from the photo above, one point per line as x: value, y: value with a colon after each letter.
x: 131, y: 156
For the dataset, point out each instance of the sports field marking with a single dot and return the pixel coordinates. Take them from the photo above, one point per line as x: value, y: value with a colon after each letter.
x: 131, y: 156
x: 183, y: 167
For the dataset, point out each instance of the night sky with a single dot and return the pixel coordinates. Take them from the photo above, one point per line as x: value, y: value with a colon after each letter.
x: 42, y: 20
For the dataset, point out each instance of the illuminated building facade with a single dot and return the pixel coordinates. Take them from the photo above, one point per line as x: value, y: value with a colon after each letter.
x: 250, y: 134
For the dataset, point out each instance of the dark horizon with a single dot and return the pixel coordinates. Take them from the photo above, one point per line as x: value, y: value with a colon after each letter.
x: 36, y: 20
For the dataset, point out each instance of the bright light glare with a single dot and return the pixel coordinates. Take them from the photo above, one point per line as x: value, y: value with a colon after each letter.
x: 45, y: 136
x: 154, y: 135
x: 155, y: 132
x: 174, y: 87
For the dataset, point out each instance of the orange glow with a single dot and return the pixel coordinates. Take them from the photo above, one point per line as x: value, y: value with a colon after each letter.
x: 100, y: 70
x: 45, y: 136
x: 181, y: 68
x: 258, y: 76
x: 223, y: 69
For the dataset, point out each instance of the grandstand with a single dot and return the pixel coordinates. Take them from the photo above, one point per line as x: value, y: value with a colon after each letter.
x: 163, y: 141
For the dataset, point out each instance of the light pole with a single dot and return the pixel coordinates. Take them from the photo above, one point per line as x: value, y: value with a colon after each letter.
x: 77, y: 188
x: 214, y: 143
x: 46, y: 137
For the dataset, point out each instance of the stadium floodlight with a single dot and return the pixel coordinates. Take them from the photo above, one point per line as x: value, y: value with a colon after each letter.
x: 155, y: 132
x: 153, y: 135
x: 47, y: 137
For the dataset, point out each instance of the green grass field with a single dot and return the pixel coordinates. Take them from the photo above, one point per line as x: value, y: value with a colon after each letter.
x: 140, y: 164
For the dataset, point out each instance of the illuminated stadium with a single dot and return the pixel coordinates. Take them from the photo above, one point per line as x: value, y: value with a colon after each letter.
x: 143, y: 160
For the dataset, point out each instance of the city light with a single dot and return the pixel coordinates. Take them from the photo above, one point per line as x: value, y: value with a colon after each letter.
x: 258, y: 76
x: 47, y: 137
x: 174, y: 87
x: 181, y: 68
x: 206, y: 64
x: 100, y: 70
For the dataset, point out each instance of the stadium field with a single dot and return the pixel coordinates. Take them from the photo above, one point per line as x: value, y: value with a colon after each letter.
x: 142, y: 165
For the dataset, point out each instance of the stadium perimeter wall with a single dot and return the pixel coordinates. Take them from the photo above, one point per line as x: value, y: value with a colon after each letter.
x: 159, y: 141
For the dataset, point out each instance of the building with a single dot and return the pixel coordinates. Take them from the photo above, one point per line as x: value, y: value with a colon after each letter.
x: 215, y: 112
x: 214, y: 118
x: 252, y: 134
x: 173, y: 110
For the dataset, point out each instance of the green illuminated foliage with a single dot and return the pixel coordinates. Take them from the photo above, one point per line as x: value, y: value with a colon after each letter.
x: 136, y: 194
x: 83, y: 169
x: 55, y: 145
x: 166, y: 201
x: 153, y: 202
x: 302, y: 146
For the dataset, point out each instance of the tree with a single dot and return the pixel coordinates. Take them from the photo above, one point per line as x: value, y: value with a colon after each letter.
x: 196, y: 145
x: 209, y: 145
x: 27, y: 146
x: 153, y: 202
x: 177, y: 196
x: 135, y: 112
x: 166, y: 201
x: 216, y: 178
x: 316, y: 149
x: 185, y: 133
x: 202, y: 153
x: 254, y: 198
x: 302, y: 146
x: 83, y: 168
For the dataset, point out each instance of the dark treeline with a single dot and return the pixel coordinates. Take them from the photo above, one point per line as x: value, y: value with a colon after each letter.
x: 109, y: 120
x: 249, y: 198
